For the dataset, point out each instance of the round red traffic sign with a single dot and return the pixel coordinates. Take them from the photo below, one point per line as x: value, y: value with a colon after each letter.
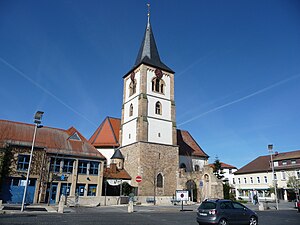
x: 138, y: 179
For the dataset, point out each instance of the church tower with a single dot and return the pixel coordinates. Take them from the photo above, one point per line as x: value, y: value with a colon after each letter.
x: 148, y: 125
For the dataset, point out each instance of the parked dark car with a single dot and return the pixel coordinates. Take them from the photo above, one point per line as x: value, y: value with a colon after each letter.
x: 223, y: 212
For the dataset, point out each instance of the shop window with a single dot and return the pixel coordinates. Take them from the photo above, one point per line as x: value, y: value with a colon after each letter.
x: 92, y: 190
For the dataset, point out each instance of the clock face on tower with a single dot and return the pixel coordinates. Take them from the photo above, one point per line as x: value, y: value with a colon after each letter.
x: 158, y: 73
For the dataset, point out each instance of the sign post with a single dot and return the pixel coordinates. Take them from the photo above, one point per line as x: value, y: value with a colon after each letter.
x: 182, y: 195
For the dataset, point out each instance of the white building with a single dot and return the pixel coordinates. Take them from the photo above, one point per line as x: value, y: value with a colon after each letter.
x: 256, y: 176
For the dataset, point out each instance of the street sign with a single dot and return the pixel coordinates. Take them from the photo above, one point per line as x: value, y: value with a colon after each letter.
x: 182, y: 195
x: 138, y: 179
x: 201, y: 183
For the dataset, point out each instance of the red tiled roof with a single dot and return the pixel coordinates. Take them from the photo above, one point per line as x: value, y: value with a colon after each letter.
x: 54, y: 140
x: 287, y: 155
x: 224, y: 166
x: 188, y: 146
x: 262, y: 163
x: 114, y: 173
x: 107, y: 134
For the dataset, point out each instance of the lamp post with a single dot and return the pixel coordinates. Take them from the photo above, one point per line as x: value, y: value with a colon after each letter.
x: 270, y: 148
x: 37, y: 120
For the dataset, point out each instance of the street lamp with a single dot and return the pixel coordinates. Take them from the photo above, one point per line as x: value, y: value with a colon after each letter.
x: 37, y: 120
x: 270, y: 148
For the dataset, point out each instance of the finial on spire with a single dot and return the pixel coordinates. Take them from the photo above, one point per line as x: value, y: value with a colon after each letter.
x: 148, y: 5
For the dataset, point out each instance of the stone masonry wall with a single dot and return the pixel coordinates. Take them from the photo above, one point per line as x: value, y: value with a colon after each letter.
x: 148, y: 160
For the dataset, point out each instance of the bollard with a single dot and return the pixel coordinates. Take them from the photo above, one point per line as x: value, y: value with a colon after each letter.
x: 61, y: 204
x: 261, y: 206
x: 130, y: 207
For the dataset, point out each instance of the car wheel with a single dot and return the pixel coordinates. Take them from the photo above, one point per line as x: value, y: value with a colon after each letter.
x: 253, y: 220
x: 223, y: 222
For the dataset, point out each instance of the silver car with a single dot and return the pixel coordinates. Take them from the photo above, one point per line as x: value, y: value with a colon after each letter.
x: 224, y: 212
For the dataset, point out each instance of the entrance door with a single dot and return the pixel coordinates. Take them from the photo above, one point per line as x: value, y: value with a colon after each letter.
x: 53, y: 193
x: 13, y: 190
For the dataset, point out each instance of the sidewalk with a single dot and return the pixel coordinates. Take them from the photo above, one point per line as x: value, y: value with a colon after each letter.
x: 16, y: 208
x: 282, y: 205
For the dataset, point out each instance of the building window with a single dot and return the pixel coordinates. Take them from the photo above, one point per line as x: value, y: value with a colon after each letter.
x: 233, y: 180
x: 55, y: 165
x: 293, y: 161
x: 158, y: 85
x: 275, y: 176
x: 23, y: 162
x: 284, y: 163
x: 275, y: 164
x: 230, y: 171
x: 245, y: 180
x: 132, y: 87
x: 251, y: 180
x: 82, y: 167
x: 283, y: 177
x: 68, y: 165
x: 158, y: 108
x: 159, y: 180
x: 80, y: 189
x: 239, y: 180
x: 197, y: 168
x: 94, y: 167
x: 258, y: 180
x: 131, y: 110
x: 92, y: 190
x: 298, y: 174
x: 65, y: 189
x: 266, y: 179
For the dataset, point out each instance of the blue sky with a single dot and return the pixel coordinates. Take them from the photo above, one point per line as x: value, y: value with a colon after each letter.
x: 237, y: 67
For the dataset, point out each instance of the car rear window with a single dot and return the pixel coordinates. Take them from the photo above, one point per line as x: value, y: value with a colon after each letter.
x: 208, y: 205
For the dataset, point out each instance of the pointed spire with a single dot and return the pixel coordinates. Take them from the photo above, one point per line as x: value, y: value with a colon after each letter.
x: 117, y: 155
x: 148, y: 52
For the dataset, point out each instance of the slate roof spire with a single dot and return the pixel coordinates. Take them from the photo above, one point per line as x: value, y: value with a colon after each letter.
x: 148, y: 53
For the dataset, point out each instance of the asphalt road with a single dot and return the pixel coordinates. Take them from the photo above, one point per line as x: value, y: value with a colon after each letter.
x: 143, y: 215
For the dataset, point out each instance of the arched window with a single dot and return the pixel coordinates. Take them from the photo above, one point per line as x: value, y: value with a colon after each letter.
x: 158, y: 85
x: 132, y: 87
x: 131, y: 110
x: 158, y: 108
x: 159, y: 181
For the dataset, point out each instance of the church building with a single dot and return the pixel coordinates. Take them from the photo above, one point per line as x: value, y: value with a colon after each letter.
x: 164, y: 158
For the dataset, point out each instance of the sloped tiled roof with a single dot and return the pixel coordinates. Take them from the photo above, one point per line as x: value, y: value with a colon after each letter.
x: 262, y: 163
x: 54, y: 140
x: 107, y: 134
x: 287, y: 155
x: 117, y: 155
x: 114, y: 173
x: 224, y: 166
x: 188, y: 146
